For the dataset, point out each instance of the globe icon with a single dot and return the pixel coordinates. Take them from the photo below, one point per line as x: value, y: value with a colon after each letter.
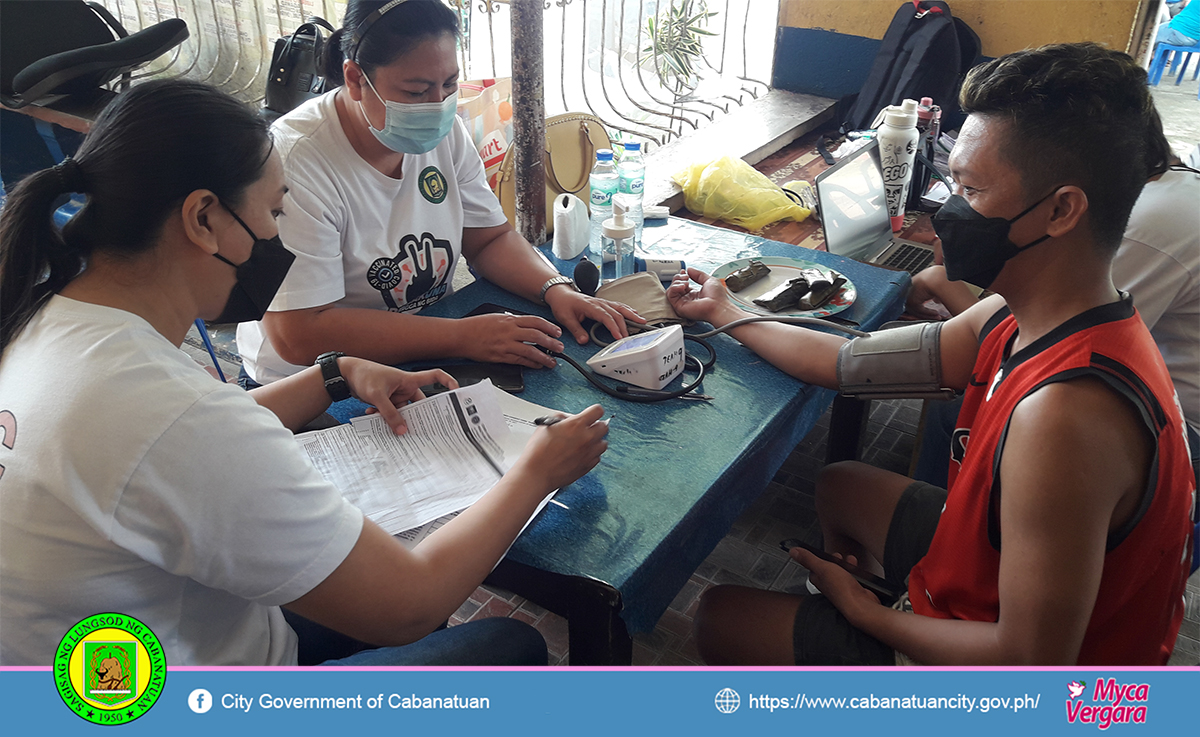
x: 728, y: 701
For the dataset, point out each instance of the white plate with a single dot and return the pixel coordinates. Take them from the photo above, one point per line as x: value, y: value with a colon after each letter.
x: 782, y: 270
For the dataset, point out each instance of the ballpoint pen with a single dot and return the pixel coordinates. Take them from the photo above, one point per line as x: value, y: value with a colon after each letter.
x: 549, y: 420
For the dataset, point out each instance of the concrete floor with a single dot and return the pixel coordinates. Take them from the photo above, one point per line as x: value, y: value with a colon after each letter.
x: 1180, y: 109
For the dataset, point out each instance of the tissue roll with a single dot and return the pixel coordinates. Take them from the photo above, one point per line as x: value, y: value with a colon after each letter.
x: 571, y: 226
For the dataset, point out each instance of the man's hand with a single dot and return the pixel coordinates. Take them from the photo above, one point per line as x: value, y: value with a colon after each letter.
x: 931, y: 283
x: 711, y: 303
x: 386, y: 388
x: 836, y: 583
x: 924, y: 288
x: 571, y: 308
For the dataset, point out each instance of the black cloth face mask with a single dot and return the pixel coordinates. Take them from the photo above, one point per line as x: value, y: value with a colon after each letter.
x: 975, y: 248
x: 258, y: 277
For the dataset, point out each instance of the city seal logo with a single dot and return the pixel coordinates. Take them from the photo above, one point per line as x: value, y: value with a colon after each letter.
x: 432, y: 185
x: 109, y: 669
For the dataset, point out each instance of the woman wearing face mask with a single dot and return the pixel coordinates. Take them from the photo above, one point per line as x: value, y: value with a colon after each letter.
x: 133, y: 482
x: 387, y: 194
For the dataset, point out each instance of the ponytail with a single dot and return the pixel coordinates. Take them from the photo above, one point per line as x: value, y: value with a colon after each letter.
x: 333, y: 58
x: 35, y: 260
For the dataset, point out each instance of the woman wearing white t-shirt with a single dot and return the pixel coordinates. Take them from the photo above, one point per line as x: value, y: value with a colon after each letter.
x: 387, y: 193
x: 133, y: 482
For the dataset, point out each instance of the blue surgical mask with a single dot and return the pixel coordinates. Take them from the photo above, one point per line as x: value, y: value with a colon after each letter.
x: 413, y: 128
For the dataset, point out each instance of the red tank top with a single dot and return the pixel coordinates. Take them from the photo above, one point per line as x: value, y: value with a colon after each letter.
x: 1140, y: 602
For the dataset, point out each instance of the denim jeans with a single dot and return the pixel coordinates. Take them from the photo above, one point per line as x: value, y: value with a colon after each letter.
x: 1172, y: 37
x: 492, y: 641
x: 933, y: 464
x: 244, y: 380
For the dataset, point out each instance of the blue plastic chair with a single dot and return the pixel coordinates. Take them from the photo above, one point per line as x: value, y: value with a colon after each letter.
x: 1182, y: 55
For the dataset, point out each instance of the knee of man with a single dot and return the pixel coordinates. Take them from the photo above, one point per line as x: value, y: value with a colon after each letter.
x: 834, y: 480
x: 717, y: 605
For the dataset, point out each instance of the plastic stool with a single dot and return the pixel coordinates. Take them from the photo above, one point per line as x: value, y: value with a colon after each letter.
x: 1159, y: 62
x: 1187, y: 57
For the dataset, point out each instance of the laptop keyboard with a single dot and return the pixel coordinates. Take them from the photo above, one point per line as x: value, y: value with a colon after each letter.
x: 909, y: 258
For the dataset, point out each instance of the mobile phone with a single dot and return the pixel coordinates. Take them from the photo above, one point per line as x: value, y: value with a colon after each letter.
x: 506, y: 376
x: 881, y: 587
x: 491, y: 308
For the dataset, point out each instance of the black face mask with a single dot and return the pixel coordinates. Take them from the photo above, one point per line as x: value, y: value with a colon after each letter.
x: 975, y: 248
x: 258, y: 277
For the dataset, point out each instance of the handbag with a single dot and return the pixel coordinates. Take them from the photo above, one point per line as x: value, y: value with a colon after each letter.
x: 297, y: 74
x: 572, y: 140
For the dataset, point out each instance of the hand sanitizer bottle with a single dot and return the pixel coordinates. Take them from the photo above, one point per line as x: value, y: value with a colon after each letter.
x: 616, y: 239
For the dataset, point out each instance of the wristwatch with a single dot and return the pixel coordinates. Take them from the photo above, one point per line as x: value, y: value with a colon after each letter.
x: 335, y: 384
x: 555, y: 281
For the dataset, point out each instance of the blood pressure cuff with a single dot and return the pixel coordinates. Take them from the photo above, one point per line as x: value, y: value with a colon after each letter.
x: 645, y: 294
x: 903, y: 362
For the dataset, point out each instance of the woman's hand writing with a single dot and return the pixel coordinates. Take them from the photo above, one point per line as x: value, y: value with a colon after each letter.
x: 565, y: 451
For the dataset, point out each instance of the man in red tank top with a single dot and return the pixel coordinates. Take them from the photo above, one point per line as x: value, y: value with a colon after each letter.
x: 1065, y: 535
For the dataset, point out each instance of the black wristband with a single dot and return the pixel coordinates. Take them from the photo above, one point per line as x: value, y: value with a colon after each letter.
x: 335, y: 383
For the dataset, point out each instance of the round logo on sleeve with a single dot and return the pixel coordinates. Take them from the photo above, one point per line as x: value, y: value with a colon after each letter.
x: 109, y: 669
x: 432, y: 185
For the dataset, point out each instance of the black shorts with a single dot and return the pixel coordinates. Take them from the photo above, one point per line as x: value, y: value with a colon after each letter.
x: 821, y: 635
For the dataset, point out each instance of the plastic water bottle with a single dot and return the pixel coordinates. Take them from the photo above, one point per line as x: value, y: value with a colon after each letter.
x: 897, y: 146
x: 919, y: 181
x: 604, y: 184
x: 632, y: 173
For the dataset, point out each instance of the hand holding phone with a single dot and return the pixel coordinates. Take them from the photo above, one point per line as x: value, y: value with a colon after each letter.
x: 504, y: 335
x: 881, y: 587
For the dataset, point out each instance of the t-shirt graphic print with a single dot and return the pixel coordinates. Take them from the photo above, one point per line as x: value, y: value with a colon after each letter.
x: 417, y: 276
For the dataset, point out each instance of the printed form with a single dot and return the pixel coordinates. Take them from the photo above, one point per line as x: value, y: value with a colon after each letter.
x: 458, y: 445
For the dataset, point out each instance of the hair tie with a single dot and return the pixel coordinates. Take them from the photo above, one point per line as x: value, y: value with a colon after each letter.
x: 70, y: 175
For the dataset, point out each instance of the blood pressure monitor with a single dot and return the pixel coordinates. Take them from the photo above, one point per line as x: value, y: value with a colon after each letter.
x: 650, y: 360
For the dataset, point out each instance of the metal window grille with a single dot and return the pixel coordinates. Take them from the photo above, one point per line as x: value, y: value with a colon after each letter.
x: 598, y: 53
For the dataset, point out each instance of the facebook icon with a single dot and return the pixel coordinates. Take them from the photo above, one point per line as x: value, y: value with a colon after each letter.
x: 200, y: 700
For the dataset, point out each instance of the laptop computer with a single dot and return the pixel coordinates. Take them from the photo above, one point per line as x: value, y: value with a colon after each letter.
x: 854, y: 215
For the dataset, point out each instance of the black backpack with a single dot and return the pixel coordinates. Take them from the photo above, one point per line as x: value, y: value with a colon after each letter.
x: 297, y: 74
x: 925, y: 53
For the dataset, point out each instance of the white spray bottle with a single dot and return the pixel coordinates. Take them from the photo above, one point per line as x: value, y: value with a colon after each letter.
x: 897, y: 147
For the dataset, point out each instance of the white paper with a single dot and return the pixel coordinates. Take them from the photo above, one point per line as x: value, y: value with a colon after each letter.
x: 457, y: 447
x: 937, y: 195
x: 519, y: 416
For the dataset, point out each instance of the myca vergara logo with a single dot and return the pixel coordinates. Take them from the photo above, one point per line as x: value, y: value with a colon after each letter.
x: 1112, y: 703
x: 109, y: 669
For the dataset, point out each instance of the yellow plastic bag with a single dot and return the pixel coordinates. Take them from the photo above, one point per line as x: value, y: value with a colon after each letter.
x: 729, y: 189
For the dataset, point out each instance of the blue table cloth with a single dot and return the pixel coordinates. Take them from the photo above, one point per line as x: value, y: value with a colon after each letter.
x: 677, y: 473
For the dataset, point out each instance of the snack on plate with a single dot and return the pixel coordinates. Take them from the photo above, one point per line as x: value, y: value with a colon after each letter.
x: 819, y: 295
x: 784, y: 296
x: 818, y: 279
x: 747, y: 275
